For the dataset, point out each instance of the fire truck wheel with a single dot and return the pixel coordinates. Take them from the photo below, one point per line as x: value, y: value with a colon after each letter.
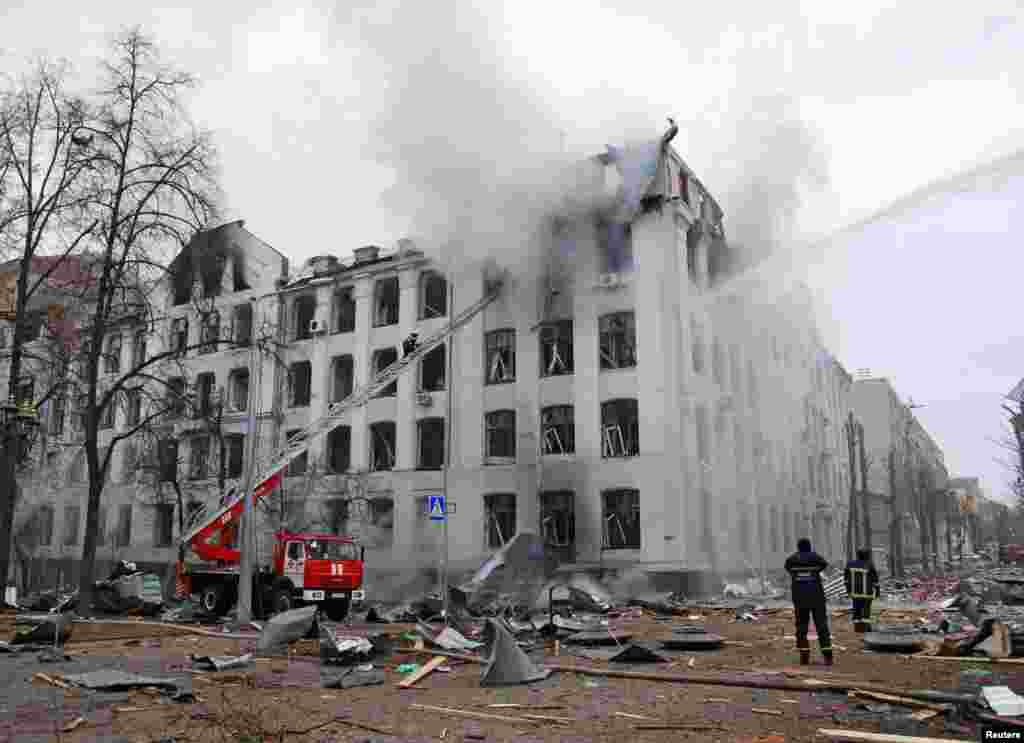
x: 211, y: 599
x: 281, y: 600
x: 336, y: 610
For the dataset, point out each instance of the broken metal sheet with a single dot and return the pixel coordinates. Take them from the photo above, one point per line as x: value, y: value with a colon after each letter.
x: 343, y: 650
x: 353, y: 678
x: 506, y: 663
x: 115, y: 680
x: 287, y: 627
x: 599, y: 637
x: 221, y: 662
x: 579, y: 590
x: 519, y: 569
x: 689, y: 640
x: 636, y: 652
x: 448, y: 638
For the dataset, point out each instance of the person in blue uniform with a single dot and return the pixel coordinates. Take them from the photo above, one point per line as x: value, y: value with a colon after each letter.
x: 862, y: 587
x: 805, y: 567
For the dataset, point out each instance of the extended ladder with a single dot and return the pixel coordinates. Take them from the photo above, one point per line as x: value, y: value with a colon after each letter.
x: 298, y: 443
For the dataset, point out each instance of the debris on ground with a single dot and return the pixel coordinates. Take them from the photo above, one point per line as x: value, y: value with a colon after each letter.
x: 42, y: 628
x: 506, y: 664
x: 115, y: 680
x: 287, y: 627
x: 340, y: 650
x: 221, y: 662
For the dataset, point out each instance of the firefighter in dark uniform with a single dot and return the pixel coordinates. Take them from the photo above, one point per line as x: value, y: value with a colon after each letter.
x: 862, y: 587
x: 410, y: 343
x: 806, y: 567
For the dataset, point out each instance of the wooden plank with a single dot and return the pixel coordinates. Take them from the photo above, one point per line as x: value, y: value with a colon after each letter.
x: 475, y: 715
x: 53, y: 681
x: 760, y: 711
x: 894, y: 699
x: 859, y: 736
x: 419, y: 673
x: 969, y: 659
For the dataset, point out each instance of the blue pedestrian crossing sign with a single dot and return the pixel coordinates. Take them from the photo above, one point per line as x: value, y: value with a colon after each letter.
x: 438, y: 512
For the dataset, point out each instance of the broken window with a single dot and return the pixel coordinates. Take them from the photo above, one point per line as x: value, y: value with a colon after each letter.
x: 242, y: 319
x: 200, y: 457
x: 342, y: 377
x: 339, y: 449
x: 698, y: 346
x: 108, y: 411
x: 556, y: 348
x: 615, y: 243
x: 336, y: 515
x: 139, y: 348
x: 72, y: 516
x: 558, y: 518
x: 179, y: 335
x: 210, y: 332
x: 304, y: 310
x: 57, y: 414
x: 433, y: 295
x: 500, y: 356
x: 234, y: 450
x: 617, y: 340
x: 431, y: 443
x: 620, y: 519
x: 167, y: 453
x: 300, y: 377
x: 213, y: 275
x: 501, y: 434
x: 204, y: 395
x: 385, y: 302
x: 558, y: 432
x: 718, y: 370
x: 112, y: 362
x: 620, y: 428
x: 163, y: 525
x: 343, y: 310
x: 300, y: 464
x: 382, y: 359
x: 133, y: 406
x: 101, y: 527
x: 499, y: 519
x: 124, y: 525
x: 776, y: 546
x: 182, y: 277
x: 433, y: 369
x: 382, y: 446
x: 238, y: 382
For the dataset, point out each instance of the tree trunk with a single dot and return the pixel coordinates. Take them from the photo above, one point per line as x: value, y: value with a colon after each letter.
x: 92, y: 521
x: 865, y: 498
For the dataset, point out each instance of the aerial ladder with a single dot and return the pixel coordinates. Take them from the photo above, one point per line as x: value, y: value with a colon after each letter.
x: 205, y: 538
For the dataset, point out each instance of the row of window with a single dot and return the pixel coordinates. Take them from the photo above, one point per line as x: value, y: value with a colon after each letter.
x: 42, y: 526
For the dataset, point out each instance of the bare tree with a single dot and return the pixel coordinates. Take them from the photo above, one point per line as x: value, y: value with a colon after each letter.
x: 45, y: 166
x: 154, y: 186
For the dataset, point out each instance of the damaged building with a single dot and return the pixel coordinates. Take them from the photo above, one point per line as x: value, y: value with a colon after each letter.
x: 623, y: 406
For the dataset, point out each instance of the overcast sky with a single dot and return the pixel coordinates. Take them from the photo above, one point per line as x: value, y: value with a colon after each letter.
x: 344, y: 125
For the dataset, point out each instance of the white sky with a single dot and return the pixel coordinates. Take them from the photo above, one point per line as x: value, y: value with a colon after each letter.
x: 302, y: 94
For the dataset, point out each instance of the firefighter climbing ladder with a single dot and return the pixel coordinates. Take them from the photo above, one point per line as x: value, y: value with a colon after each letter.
x: 298, y: 443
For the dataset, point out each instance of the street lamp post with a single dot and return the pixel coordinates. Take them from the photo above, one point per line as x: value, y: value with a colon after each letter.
x: 18, y: 428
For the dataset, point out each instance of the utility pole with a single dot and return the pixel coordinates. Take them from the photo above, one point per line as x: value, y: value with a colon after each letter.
x: 246, y: 570
x: 864, y: 494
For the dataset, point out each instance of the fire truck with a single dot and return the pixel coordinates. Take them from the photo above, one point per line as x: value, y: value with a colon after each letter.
x: 307, y: 568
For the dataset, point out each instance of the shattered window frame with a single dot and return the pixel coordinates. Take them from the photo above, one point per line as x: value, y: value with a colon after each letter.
x: 304, y: 312
x: 300, y: 384
x: 500, y: 432
x: 238, y: 382
x: 343, y: 376
x: 620, y: 428
x: 179, y: 335
x: 112, y: 358
x: 500, y: 356
x: 556, y: 345
x: 430, y: 443
x: 300, y: 465
x: 617, y: 340
x: 343, y: 310
x: 383, y: 442
x: 206, y: 389
x: 558, y: 430
x: 620, y: 519
x: 199, y: 457
x: 433, y: 293
x: 558, y: 517
x: 163, y: 525
x: 339, y: 449
x: 241, y: 318
x: 210, y: 331
x: 434, y: 370
x: 381, y: 360
x: 500, y: 516
x: 385, y: 311
x: 234, y: 452
x: 382, y: 519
